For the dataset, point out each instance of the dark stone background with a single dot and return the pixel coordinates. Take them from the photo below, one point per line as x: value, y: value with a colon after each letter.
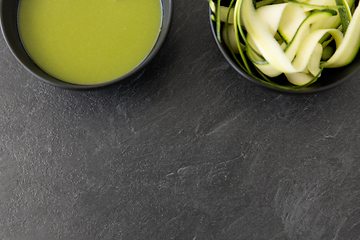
x: 185, y: 150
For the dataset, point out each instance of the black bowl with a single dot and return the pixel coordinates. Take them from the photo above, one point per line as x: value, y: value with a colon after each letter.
x: 9, y: 27
x: 330, y: 77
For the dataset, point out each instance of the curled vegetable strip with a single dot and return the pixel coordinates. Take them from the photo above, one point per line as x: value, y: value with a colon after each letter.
x: 291, y: 19
x: 347, y: 51
x: 304, y: 30
x: 271, y: 14
x: 309, y: 44
x: 265, y: 42
x: 314, y: 62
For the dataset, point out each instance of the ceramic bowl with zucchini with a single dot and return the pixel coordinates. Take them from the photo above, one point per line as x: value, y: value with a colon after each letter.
x: 295, y: 46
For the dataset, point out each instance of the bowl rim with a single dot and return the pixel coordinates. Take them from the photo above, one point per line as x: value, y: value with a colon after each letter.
x: 234, y: 65
x: 167, y: 14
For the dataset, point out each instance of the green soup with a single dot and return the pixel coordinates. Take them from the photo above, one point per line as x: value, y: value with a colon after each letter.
x: 89, y: 41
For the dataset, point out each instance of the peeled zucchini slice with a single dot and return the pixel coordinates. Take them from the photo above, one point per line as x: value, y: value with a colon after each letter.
x: 290, y: 21
x: 348, y: 49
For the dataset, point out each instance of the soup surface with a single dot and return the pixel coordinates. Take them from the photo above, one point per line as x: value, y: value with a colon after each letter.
x: 89, y: 41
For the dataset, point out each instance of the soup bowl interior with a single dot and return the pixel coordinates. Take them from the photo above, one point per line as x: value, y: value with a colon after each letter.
x: 9, y: 27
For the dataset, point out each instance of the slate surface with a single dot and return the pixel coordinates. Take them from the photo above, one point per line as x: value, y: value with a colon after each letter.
x: 187, y: 149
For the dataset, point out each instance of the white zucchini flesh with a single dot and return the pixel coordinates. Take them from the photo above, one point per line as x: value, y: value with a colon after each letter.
x: 308, y: 45
x: 262, y: 65
x: 268, y: 70
x: 330, y: 22
x: 265, y: 42
x: 272, y: 14
x: 299, y: 78
x: 307, y: 52
x: 304, y: 30
x: 314, y: 62
x: 253, y: 51
x: 349, y: 47
x: 224, y: 14
x: 290, y: 21
x: 308, y: 56
x: 228, y: 34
